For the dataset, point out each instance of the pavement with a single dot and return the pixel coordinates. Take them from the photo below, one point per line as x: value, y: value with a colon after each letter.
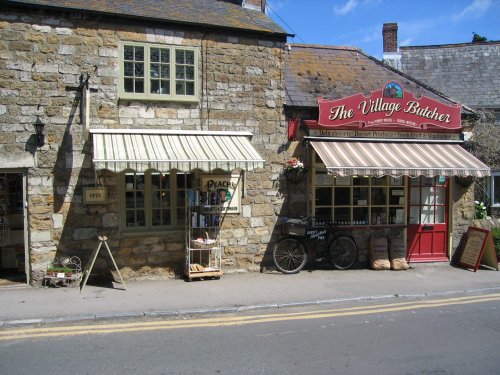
x: 235, y: 292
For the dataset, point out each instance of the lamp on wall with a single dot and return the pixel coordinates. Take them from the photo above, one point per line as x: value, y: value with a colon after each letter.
x: 39, y: 125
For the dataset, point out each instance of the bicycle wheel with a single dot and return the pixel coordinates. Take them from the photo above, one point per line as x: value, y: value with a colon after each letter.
x: 343, y: 252
x: 289, y: 255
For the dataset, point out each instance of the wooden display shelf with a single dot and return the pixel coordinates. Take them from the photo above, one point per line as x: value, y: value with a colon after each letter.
x: 203, y: 274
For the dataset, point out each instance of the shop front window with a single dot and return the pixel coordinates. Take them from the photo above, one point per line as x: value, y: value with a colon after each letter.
x: 355, y: 200
x: 495, y: 189
x: 154, y: 200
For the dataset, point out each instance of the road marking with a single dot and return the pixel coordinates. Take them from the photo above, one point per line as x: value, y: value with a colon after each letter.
x: 225, y: 321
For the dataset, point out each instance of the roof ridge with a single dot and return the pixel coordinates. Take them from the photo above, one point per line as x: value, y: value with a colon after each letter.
x: 322, y: 46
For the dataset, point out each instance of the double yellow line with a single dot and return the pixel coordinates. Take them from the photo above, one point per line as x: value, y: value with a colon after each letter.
x: 225, y: 321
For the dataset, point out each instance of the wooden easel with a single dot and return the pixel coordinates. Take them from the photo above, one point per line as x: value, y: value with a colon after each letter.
x: 93, y: 257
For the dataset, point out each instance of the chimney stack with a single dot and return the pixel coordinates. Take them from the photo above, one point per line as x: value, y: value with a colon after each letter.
x: 255, y: 4
x: 391, y: 56
x: 390, y: 35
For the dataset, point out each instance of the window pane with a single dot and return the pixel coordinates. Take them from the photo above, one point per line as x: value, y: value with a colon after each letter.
x: 414, y: 215
x: 342, y: 216
x: 165, y: 56
x: 179, y: 72
x: 189, y: 88
x: 139, y: 70
x: 179, y: 56
x: 128, y: 69
x: 379, y: 181
x: 378, y: 196
x: 324, y: 196
x: 155, y: 86
x: 128, y: 53
x: 342, y: 196
x: 165, y: 71
x: 379, y: 216
x: 155, y: 70
x: 427, y: 195
x: 190, y: 72
x: 189, y: 57
x: 139, y: 85
x: 165, y: 87
x: 439, y: 215
x: 129, y: 85
x: 415, y: 195
x: 427, y: 215
x: 179, y: 88
x: 415, y: 181
x: 360, y: 196
x: 496, y: 189
x: 155, y: 54
x: 139, y: 54
x: 440, y: 195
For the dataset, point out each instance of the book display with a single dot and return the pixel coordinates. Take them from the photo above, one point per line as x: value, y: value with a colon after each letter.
x: 203, y: 249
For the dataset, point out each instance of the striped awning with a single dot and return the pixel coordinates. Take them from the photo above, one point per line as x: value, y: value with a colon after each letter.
x: 140, y: 150
x: 346, y: 158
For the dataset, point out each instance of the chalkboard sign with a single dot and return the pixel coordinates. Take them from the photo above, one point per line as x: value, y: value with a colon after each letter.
x: 478, y: 249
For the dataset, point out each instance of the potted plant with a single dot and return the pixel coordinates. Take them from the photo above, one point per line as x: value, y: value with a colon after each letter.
x: 294, y: 170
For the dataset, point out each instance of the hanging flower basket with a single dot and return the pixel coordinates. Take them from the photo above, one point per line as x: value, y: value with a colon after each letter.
x: 294, y: 170
x: 465, y: 181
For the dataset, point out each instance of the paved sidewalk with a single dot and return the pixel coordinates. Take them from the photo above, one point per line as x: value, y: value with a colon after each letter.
x: 235, y: 292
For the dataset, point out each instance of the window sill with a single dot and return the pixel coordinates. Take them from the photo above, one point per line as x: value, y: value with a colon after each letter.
x: 144, y: 98
x: 149, y: 233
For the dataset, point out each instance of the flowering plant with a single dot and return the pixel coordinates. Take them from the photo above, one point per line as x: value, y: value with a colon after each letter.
x: 295, y: 165
x: 480, y: 210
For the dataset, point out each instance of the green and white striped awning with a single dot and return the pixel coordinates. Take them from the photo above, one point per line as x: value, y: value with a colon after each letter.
x: 140, y: 150
x: 357, y: 158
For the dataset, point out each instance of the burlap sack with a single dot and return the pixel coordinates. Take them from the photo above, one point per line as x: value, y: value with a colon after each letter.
x: 397, y: 253
x: 379, y: 257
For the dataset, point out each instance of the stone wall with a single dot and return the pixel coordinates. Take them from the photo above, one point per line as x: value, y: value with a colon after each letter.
x: 43, y: 55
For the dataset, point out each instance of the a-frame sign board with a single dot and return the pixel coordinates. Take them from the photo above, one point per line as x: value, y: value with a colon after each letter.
x: 479, y: 249
x: 93, y: 257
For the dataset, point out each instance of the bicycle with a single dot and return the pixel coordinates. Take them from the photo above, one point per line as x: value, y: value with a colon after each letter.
x: 291, y: 253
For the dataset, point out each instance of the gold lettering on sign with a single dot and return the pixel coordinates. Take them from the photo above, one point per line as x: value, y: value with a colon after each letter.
x: 340, y: 113
x: 379, y: 105
x: 414, y: 109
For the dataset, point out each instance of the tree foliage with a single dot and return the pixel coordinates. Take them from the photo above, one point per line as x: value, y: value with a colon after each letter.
x: 487, y: 141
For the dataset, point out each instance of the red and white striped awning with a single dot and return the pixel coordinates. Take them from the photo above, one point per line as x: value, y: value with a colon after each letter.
x: 163, y: 150
x: 346, y: 158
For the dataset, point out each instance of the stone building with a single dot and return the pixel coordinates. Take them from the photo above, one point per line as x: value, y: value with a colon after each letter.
x: 413, y: 163
x: 466, y: 72
x: 113, y: 82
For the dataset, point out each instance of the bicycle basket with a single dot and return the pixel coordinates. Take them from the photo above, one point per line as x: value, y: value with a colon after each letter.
x: 294, y: 228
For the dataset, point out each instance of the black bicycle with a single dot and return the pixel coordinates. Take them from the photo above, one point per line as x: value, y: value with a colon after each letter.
x: 291, y: 253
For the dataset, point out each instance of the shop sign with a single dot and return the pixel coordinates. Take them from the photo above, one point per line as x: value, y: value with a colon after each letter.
x: 229, y: 189
x: 382, y: 134
x: 92, y: 195
x: 391, y: 107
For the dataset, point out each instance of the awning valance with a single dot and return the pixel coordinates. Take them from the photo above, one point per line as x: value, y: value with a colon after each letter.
x: 398, y: 159
x: 140, y: 150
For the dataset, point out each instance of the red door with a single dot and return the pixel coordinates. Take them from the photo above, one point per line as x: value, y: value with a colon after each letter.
x: 428, y: 219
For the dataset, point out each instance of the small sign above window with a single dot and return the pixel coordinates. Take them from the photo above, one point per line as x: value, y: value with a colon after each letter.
x: 95, y: 195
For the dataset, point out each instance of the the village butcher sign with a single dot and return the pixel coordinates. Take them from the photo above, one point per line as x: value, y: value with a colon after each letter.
x: 390, y: 106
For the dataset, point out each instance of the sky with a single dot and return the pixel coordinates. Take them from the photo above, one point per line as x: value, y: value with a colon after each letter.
x: 358, y: 23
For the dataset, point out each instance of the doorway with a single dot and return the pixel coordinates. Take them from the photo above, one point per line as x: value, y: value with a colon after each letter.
x: 13, y: 258
x: 428, y: 219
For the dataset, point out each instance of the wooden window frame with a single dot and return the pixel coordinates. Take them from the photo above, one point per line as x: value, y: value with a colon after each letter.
x: 356, y: 212
x: 177, y: 205
x: 147, y: 95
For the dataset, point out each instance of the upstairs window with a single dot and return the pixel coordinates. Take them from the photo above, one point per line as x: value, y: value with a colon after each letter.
x: 158, y: 72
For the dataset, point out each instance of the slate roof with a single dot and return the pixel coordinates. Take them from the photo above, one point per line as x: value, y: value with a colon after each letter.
x: 313, y: 71
x: 211, y: 13
x: 467, y: 72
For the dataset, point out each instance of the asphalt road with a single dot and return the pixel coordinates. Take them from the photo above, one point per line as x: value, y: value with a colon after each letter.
x: 455, y: 335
